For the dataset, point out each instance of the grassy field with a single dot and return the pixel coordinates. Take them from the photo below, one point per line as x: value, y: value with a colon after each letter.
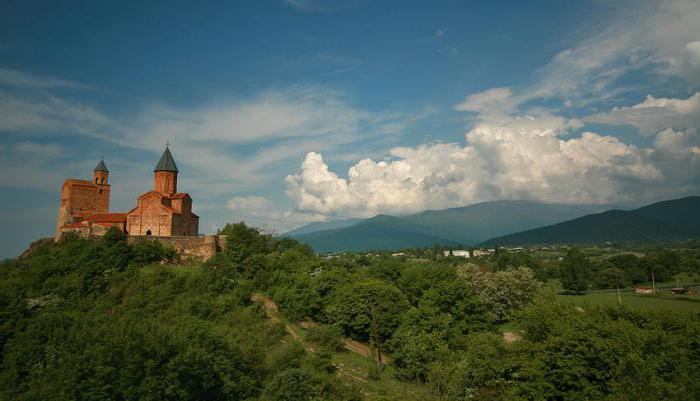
x: 635, y: 301
x: 663, y: 300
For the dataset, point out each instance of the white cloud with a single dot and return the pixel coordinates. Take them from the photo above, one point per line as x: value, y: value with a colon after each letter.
x: 33, y: 111
x: 658, y: 36
x: 692, y: 49
x: 23, y: 80
x: 254, y: 205
x: 519, y: 160
x: 324, y: 5
x: 654, y: 114
x: 261, y: 211
x: 276, y: 126
x: 300, y: 112
x: 489, y: 102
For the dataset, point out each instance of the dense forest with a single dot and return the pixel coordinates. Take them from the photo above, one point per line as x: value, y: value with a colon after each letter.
x: 99, y: 319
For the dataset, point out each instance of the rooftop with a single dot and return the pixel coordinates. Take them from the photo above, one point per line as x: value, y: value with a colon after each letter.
x: 166, y: 162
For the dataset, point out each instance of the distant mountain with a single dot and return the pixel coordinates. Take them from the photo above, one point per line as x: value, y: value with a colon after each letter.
x: 476, y: 223
x: 465, y: 226
x: 377, y: 233
x: 673, y: 219
x: 322, y: 226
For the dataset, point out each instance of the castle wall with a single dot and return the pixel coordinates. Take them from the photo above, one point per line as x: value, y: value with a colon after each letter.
x: 196, y: 249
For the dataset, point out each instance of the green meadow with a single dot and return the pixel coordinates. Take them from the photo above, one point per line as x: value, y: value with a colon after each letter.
x: 634, y: 301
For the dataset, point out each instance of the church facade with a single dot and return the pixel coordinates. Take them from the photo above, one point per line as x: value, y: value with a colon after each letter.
x: 161, y: 212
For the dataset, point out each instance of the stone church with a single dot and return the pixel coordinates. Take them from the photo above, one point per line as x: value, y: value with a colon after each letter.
x: 161, y: 212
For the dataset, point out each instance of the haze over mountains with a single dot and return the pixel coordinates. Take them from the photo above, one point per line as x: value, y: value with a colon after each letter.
x: 507, y: 223
x: 467, y: 225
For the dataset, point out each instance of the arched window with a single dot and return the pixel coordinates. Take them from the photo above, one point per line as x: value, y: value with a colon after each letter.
x: 148, y: 232
x: 103, y: 180
x: 96, y: 179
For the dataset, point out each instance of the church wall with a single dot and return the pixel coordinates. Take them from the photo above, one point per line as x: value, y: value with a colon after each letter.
x: 185, y: 224
x: 149, y: 218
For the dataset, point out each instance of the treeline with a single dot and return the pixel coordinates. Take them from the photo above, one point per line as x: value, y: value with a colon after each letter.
x: 581, y: 269
x: 98, y: 320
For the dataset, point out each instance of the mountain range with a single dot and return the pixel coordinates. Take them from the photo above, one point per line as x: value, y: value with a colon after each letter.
x: 666, y: 220
x: 463, y: 226
x: 506, y: 223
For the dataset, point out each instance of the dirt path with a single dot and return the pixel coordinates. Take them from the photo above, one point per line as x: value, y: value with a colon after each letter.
x: 356, y: 347
x: 272, y: 314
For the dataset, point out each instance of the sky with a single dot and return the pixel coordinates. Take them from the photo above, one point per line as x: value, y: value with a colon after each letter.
x: 284, y: 112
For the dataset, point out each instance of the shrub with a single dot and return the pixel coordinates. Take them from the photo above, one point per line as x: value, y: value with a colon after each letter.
x: 328, y: 337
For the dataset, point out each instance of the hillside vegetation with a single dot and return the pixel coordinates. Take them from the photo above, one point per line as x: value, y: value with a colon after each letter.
x: 98, y: 319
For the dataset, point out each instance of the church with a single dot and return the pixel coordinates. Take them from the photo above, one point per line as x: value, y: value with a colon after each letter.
x: 162, y: 212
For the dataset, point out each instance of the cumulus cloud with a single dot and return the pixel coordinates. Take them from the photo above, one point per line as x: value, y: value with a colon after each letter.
x: 260, y: 211
x: 509, y: 161
x: 654, y: 114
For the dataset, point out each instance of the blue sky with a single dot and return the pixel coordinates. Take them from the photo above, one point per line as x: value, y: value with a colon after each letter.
x: 285, y: 112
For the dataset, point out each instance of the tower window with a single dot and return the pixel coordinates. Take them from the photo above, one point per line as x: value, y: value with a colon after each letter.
x: 103, y: 180
x: 96, y: 180
x: 99, y: 191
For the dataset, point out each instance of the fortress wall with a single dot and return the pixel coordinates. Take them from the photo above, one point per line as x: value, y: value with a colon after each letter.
x: 189, y: 248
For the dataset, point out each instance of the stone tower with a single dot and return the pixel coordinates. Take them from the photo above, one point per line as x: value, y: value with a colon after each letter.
x: 100, y: 176
x: 85, y: 204
x: 165, y: 174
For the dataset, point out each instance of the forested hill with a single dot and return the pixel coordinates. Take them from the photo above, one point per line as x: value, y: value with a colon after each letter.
x: 467, y: 225
x: 666, y: 220
x: 322, y: 226
x: 102, y: 319
x: 379, y: 233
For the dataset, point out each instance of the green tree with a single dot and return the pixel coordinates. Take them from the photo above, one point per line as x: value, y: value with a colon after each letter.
x: 611, y: 277
x: 368, y: 306
x: 501, y: 292
x: 574, y: 271
x: 243, y: 241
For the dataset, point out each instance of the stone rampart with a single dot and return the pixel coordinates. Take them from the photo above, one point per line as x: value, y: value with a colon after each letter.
x: 196, y: 249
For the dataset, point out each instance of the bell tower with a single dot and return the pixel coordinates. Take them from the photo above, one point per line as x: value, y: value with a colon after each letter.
x: 100, y: 176
x: 165, y: 174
